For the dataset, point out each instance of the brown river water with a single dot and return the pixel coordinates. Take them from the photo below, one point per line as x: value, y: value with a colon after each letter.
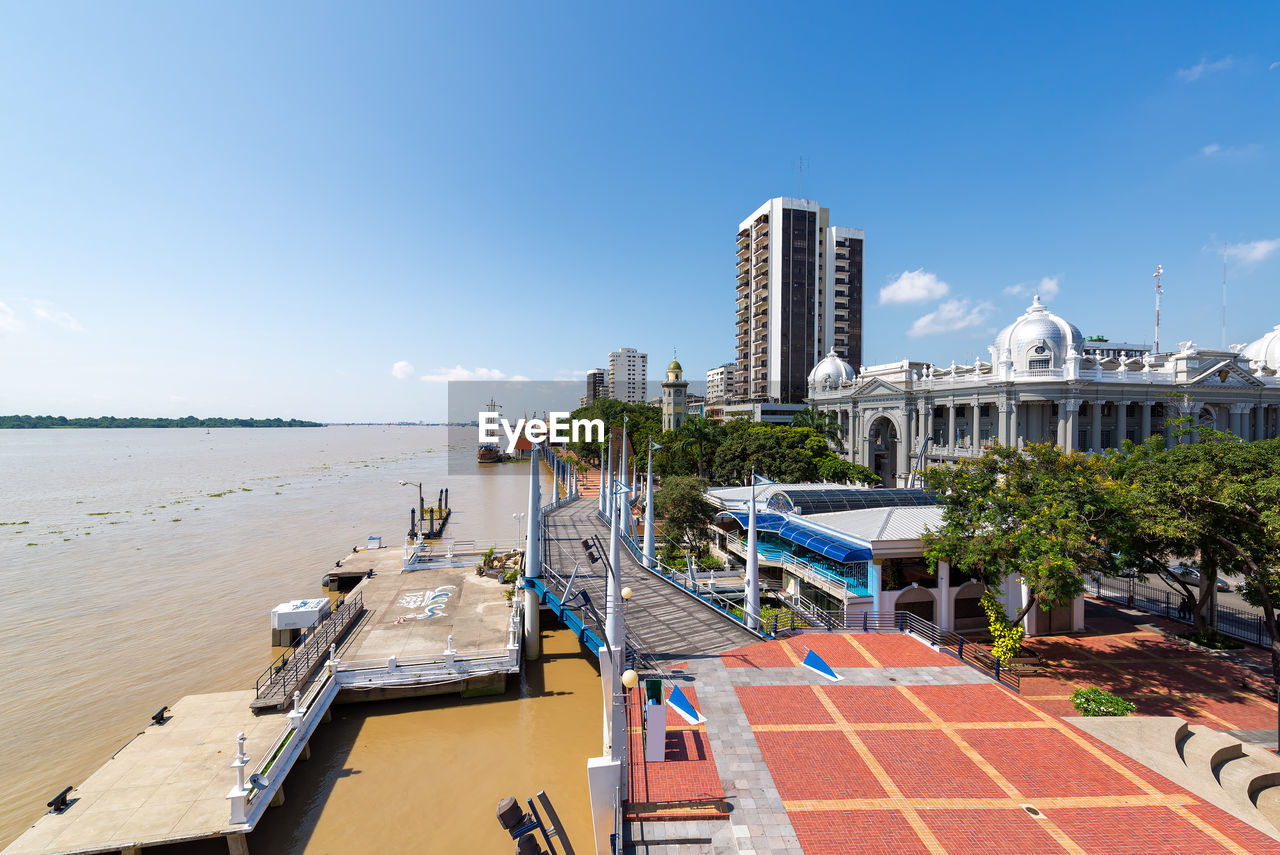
x: 145, y: 567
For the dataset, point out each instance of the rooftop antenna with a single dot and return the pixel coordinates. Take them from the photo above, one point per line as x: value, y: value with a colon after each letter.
x: 1159, y: 291
x: 801, y: 164
x: 1224, y: 295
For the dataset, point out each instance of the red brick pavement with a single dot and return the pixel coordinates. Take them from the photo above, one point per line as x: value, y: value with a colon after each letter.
x: 1160, y: 675
x: 947, y: 769
x: 686, y: 785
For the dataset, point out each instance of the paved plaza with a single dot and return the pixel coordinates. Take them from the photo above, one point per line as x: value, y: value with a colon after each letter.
x: 912, y: 752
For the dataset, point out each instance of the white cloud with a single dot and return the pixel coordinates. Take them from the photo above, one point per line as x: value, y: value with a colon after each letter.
x: 1048, y: 288
x: 8, y: 320
x: 46, y: 311
x: 914, y: 286
x: 1203, y: 67
x: 1252, y: 252
x: 1273, y: 66
x: 949, y: 316
x: 402, y: 370
x: 1217, y: 150
x: 457, y: 372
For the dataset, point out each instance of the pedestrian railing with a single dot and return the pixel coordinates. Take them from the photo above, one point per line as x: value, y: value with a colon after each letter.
x: 276, y: 685
x: 1236, y: 623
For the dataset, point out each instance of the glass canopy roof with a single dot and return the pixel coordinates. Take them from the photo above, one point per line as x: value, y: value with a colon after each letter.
x: 828, y: 500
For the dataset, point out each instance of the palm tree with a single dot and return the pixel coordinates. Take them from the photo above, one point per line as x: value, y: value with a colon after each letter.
x: 701, y: 437
x: 823, y: 424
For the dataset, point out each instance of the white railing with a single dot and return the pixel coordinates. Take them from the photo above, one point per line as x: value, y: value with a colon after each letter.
x: 424, y: 553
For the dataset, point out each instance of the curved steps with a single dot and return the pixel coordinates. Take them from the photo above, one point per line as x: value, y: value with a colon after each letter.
x: 1248, y: 775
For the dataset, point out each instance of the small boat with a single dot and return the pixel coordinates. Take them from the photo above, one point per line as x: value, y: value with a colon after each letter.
x: 488, y: 452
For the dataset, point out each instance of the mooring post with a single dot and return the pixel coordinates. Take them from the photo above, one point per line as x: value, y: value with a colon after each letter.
x: 239, y: 794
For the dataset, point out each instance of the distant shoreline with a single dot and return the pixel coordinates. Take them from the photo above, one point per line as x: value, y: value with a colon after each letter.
x: 40, y: 422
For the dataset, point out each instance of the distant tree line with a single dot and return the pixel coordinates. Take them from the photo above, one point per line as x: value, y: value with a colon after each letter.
x: 30, y: 422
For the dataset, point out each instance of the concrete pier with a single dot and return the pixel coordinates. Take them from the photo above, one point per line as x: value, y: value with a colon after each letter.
x: 434, y: 628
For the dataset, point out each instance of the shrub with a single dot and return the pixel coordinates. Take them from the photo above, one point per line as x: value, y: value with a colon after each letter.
x: 1006, y: 636
x: 1095, y: 701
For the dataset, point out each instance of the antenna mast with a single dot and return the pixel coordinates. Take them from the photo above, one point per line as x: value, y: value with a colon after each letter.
x: 1159, y: 291
x: 1224, y: 296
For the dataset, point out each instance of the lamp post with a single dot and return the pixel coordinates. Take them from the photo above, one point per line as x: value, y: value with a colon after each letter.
x: 420, y: 505
x: 518, y: 517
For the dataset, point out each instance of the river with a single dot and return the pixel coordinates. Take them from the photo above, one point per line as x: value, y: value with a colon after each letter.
x: 141, y: 565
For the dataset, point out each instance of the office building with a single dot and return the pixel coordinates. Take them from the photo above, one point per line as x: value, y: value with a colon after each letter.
x: 628, y: 375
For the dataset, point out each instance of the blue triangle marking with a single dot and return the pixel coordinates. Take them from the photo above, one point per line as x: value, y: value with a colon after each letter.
x: 680, y: 704
x: 819, y: 666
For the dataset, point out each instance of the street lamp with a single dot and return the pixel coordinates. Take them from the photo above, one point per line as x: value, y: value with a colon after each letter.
x: 517, y: 518
x: 420, y: 504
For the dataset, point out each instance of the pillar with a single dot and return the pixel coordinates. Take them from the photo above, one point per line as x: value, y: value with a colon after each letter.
x: 1003, y: 425
x: 1144, y: 429
x: 1260, y: 422
x: 873, y: 583
x: 852, y: 442
x: 928, y: 419
x: 945, y: 600
x: 1122, y: 423
x: 533, y: 564
x: 904, y: 447
x: 1062, y: 425
x: 1095, y: 428
x: 1236, y: 415
x: 951, y: 425
x: 237, y: 844
x: 1073, y: 414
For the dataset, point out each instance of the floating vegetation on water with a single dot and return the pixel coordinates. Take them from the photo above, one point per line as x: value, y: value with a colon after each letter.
x: 65, y: 539
x: 176, y: 519
x: 24, y: 522
x: 218, y: 495
x: 33, y: 544
x: 246, y: 489
x: 101, y: 513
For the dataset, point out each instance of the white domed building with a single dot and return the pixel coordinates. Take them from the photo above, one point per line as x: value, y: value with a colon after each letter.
x: 1041, y: 381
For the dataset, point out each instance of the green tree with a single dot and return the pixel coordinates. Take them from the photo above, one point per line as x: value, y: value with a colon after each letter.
x: 1218, y: 499
x: 825, y: 425
x: 700, y: 438
x: 837, y: 470
x: 1049, y: 516
x: 778, y: 452
x: 686, y: 512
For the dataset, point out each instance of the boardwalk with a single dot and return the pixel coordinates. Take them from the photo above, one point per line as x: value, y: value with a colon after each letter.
x: 665, y: 622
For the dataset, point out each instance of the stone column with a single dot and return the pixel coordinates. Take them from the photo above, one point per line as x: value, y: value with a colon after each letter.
x: 951, y: 426
x: 974, y: 421
x: 1144, y: 429
x: 1095, y: 427
x: 1002, y: 421
x: 1237, y: 415
x: 1260, y: 422
x: 921, y: 424
x: 1073, y: 412
x: 1062, y: 425
x: 904, y: 447
x: 1122, y: 423
x: 928, y: 418
x: 944, y: 609
x: 852, y: 442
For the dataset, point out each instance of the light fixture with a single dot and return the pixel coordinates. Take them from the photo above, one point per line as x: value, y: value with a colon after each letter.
x: 626, y: 593
x: 630, y: 678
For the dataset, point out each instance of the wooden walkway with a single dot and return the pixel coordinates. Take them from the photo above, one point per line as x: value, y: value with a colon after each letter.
x: 667, y: 623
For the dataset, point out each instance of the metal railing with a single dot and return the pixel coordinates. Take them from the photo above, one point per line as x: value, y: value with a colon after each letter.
x: 284, y: 675
x: 1244, y: 626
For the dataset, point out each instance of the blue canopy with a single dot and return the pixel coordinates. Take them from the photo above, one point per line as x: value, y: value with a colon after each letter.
x: 764, y: 522
x: 841, y: 551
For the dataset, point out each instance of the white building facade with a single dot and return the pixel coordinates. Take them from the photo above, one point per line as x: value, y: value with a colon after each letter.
x: 628, y: 375
x: 1042, y: 382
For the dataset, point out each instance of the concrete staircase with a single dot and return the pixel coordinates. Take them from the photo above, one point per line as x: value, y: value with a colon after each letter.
x: 1240, y: 778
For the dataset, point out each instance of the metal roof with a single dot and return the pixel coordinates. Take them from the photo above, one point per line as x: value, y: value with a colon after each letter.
x: 830, y: 499
x: 883, y: 524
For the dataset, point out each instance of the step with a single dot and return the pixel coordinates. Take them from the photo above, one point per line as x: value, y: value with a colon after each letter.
x: 1204, y: 749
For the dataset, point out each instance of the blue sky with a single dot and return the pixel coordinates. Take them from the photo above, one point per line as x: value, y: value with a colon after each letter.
x: 260, y: 209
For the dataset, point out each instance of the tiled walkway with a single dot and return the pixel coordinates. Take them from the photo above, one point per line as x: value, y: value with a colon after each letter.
x: 913, y: 752
x: 1125, y: 654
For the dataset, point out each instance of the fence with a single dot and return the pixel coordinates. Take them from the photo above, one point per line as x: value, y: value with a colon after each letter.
x: 275, y: 685
x: 1236, y: 623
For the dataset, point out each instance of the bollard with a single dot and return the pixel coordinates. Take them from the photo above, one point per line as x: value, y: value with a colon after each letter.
x: 239, y: 796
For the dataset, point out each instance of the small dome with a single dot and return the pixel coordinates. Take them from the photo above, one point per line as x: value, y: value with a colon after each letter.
x: 674, y: 366
x: 1265, y: 350
x: 830, y: 372
x: 1037, y: 336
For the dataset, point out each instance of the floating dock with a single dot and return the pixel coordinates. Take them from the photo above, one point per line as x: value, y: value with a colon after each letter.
x: 420, y: 621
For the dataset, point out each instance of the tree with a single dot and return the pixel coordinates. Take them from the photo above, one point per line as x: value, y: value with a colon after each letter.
x: 1048, y: 516
x: 700, y: 438
x: 840, y: 471
x: 683, y: 505
x: 825, y: 425
x: 1218, y: 499
x: 778, y: 452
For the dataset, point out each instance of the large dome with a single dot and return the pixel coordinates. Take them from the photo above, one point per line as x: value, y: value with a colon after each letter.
x: 830, y: 373
x: 1265, y: 350
x: 1038, y: 339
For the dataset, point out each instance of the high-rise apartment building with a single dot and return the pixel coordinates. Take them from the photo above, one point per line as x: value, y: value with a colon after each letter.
x: 720, y: 382
x: 628, y: 375
x: 799, y: 295
x: 595, y: 385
